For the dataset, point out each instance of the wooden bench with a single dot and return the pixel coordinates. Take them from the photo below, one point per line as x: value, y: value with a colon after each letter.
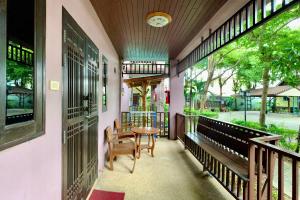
x: 222, y: 149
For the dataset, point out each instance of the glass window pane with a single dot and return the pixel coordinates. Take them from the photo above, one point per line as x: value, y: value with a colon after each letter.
x: 104, y: 85
x: 20, y: 61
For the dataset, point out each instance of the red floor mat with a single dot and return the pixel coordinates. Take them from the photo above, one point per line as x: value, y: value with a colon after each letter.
x: 105, y: 195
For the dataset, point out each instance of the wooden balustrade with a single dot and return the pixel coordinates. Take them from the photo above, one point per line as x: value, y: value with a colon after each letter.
x: 261, y: 180
x: 153, y: 119
x: 231, y: 176
x: 191, y: 123
x: 180, y: 126
x: 185, y: 124
x: 18, y: 53
x: 273, y: 173
x: 145, y: 68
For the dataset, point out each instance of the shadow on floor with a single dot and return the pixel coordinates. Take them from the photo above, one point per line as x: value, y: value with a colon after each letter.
x: 172, y: 174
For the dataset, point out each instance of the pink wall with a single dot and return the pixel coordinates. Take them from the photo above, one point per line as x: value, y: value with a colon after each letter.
x: 176, y: 98
x: 32, y: 170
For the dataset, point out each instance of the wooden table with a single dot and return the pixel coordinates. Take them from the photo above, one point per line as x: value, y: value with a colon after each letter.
x: 150, y: 131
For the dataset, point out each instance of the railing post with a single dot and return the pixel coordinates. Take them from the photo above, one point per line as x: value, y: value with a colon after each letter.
x: 295, y: 181
x: 251, y: 168
x: 168, y: 114
x: 280, y: 177
x: 271, y: 162
x: 259, y: 173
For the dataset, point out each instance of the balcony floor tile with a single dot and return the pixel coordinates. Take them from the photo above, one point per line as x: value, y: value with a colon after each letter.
x: 173, y: 174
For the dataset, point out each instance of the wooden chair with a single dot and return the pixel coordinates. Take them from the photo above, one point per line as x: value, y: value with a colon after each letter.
x: 115, y: 148
x: 121, y: 134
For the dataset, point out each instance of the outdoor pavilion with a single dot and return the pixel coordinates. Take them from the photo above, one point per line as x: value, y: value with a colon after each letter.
x: 282, y: 96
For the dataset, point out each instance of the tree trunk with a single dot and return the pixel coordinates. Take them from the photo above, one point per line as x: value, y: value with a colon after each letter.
x: 221, y: 92
x: 235, y: 89
x: 210, y: 73
x: 262, y: 115
x: 235, y: 103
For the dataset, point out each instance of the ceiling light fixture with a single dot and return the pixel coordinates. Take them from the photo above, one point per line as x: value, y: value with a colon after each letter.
x: 158, y: 19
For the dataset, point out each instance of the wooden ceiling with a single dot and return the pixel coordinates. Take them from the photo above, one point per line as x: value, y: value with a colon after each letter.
x: 125, y: 24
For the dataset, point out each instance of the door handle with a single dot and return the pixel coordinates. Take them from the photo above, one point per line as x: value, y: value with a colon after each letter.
x: 64, y: 137
x: 89, y: 116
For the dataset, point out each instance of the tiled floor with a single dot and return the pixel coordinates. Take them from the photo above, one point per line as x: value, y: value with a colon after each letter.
x: 173, y: 174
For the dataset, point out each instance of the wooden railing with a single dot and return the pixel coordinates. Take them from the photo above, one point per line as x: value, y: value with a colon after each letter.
x: 145, y: 68
x: 153, y: 119
x: 18, y: 53
x: 261, y: 185
x: 185, y: 124
x: 273, y: 171
x: 235, y: 182
x: 180, y: 126
x: 141, y: 108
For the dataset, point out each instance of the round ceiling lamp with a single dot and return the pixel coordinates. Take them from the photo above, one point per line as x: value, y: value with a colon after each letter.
x: 158, y: 19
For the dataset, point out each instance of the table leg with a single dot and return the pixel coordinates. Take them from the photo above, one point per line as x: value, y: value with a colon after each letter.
x: 148, y: 143
x: 153, y: 145
x: 139, y: 146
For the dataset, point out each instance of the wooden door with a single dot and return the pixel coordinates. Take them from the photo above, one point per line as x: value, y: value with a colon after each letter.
x: 80, y: 111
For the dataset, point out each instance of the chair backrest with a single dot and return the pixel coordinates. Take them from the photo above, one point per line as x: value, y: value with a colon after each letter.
x: 109, y: 134
x: 117, y: 124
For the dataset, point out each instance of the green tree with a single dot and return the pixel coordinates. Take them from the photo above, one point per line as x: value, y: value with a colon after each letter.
x: 287, y: 56
x: 219, y: 64
x: 192, y: 89
x: 270, y: 44
x: 20, y: 75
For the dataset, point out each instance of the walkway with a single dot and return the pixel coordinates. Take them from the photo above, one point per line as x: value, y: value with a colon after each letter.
x: 173, y: 174
x: 289, y: 121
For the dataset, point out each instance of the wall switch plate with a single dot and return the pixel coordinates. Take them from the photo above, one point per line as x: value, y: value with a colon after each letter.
x: 54, y: 85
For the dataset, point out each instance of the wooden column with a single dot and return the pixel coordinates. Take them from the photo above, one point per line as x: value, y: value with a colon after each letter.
x: 144, y: 95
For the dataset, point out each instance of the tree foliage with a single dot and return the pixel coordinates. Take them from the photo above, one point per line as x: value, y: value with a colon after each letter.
x: 21, y: 75
x: 273, y: 54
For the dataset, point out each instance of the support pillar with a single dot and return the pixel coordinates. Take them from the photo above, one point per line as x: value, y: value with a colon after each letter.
x: 176, y: 98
